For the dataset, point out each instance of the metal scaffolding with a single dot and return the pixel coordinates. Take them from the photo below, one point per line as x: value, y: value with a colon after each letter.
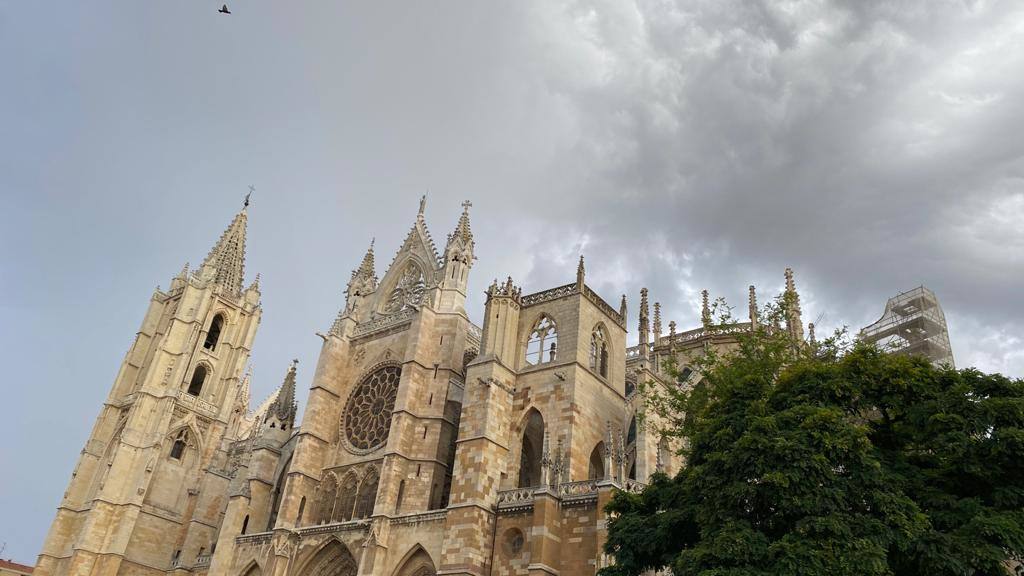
x: 913, y: 323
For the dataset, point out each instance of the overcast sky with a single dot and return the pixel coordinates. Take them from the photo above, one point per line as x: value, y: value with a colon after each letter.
x: 872, y: 146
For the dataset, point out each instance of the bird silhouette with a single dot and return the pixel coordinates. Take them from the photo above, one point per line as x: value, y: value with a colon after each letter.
x: 224, y: 9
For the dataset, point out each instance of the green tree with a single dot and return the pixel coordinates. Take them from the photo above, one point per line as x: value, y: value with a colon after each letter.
x: 830, y: 459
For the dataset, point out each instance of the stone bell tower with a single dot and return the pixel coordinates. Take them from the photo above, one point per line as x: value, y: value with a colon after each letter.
x: 148, y: 487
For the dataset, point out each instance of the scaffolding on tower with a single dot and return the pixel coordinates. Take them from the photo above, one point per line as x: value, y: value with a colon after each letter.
x: 913, y: 324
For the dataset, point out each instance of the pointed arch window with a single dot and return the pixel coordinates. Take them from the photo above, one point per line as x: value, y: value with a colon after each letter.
x: 213, y: 334
x: 195, y: 386
x: 367, y: 495
x: 596, y: 469
x: 408, y: 292
x: 532, y: 450
x: 542, y: 346
x: 599, y: 352
x: 180, y: 443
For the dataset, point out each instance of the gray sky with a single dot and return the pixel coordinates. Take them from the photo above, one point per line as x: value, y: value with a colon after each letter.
x: 872, y: 146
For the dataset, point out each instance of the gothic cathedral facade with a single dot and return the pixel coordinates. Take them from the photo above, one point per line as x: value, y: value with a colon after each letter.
x: 428, y: 445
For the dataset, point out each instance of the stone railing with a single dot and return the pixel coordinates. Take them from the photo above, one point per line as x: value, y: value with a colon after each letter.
x: 698, y: 333
x: 634, y: 351
x: 604, y: 306
x: 177, y: 563
x: 196, y: 403
x: 384, y: 322
x: 633, y: 486
x: 346, y: 526
x: 421, y: 517
x: 257, y: 538
x: 202, y: 561
x: 551, y: 294
x: 474, y: 336
x: 581, y: 490
x: 516, y: 498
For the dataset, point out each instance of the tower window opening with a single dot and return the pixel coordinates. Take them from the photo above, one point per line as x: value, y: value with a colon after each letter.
x: 599, y: 352
x: 245, y: 524
x: 543, y: 340
x: 180, y: 443
x: 213, y: 335
x: 195, y: 386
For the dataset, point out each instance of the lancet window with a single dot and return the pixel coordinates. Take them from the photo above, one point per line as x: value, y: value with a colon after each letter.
x: 599, y: 352
x: 195, y: 386
x: 213, y: 334
x: 180, y: 443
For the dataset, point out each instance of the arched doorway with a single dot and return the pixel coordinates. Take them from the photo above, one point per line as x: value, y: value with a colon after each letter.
x: 416, y: 563
x: 334, y: 559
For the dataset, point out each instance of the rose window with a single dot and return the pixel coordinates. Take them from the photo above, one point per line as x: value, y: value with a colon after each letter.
x: 368, y: 413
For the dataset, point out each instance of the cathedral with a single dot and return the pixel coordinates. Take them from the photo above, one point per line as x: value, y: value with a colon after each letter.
x: 429, y: 444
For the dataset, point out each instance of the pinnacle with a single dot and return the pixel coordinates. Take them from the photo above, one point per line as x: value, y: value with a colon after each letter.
x: 462, y: 229
x: 284, y: 406
x: 367, y: 268
x: 228, y: 255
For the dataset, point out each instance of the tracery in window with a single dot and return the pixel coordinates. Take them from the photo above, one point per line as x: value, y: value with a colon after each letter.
x: 367, y: 419
x: 542, y: 345
x: 408, y: 292
x: 367, y: 496
x: 180, y: 443
x: 599, y: 352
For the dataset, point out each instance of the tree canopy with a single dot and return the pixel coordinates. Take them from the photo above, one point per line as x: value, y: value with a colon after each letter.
x: 830, y: 459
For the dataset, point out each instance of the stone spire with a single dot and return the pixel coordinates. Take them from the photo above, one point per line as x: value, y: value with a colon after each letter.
x: 810, y: 334
x: 367, y: 270
x: 657, y: 322
x: 284, y: 406
x: 644, y: 325
x: 705, y: 310
x: 462, y: 229
x: 622, y: 308
x: 244, y: 395
x: 581, y: 273
x: 671, y: 336
x: 228, y: 255
x: 752, y: 307
x: 794, y: 323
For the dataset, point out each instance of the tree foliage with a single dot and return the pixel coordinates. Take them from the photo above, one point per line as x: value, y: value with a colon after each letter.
x: 830, y: 458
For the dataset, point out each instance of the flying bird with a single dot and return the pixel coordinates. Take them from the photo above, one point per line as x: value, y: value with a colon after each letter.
x: 224, y: 9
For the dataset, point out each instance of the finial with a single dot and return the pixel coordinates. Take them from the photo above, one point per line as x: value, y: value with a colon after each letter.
x: 580, y: 273
x: 251, y: 190
x: 810, y: 333
x: 466, y: 205
x: 295, y: 363
x: 644, y: 326
x: 752, y: 304
x: 705, y: 311
x: 622, y: 308
x: 657, y: 321
x: 423, y: 204
x: 671, y: 335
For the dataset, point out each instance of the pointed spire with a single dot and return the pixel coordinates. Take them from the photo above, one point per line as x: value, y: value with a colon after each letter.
x: 794, y: 323
x: 622, y: 308
x: 644, y: 325
x: 367, y: 268
x: 657, y: 321
x: 752, y: 307
x: 705, y: 310
x: 671, y: 336
x: 228, y: 255
x: 244, y: 395
x: 810, y: 334
x: 581, y: 273
x: 284, y: 406
x: 255, y: 283
x: 462, y: 229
